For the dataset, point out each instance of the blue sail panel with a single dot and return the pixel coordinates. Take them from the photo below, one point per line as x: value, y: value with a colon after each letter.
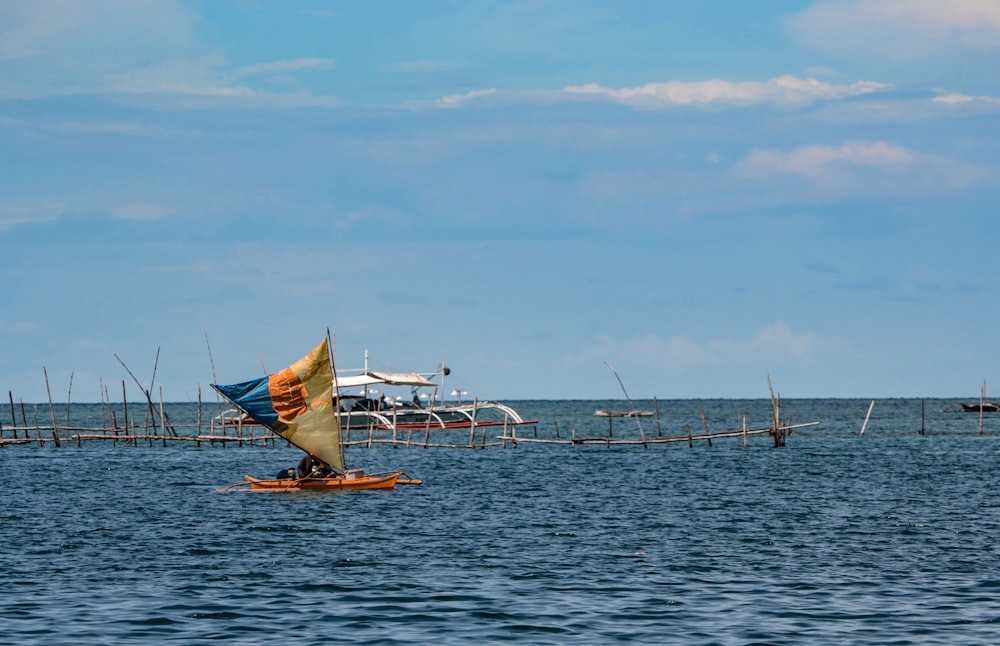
x: 253, y: 397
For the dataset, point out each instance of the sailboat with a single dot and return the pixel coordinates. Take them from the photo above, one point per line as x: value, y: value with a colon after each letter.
x: 297, y: 404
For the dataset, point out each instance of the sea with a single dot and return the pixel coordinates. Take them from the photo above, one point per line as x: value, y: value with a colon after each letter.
x: 886, y: 536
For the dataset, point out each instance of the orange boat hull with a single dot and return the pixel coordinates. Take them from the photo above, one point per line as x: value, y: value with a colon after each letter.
x: 380, y: 481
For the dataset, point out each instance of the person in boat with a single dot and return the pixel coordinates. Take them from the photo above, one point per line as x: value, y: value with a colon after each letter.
x: 416, y: 400
x: 286, y: 474
x: 312, y: 467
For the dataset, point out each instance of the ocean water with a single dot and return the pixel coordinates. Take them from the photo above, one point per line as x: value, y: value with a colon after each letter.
x: 888, y: 538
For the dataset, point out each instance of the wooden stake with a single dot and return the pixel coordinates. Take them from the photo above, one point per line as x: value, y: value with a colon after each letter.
x: 13, y: 416
x: 982, y: 405
x: 637, y: 420
x: 199, y: 414
x: 162, y: 417
x: 865, y: 425
x: 52, y: 410
x: 69, y: 397
x: 472, y: 428
x: 125, y: 409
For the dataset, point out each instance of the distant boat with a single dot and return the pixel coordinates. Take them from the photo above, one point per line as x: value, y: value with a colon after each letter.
x: 985, y: 407
x: 418, y: 412
x: 297, y: 404
x: 623, y: 413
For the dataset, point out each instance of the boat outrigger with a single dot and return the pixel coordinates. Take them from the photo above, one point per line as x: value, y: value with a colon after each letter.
x: 297, y: 404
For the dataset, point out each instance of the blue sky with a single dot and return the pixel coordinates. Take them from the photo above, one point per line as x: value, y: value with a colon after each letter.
x: 700, y: 194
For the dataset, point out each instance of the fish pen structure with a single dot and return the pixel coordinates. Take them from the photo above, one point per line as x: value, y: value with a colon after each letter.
x: 570, y: 423
x: 152, y: 423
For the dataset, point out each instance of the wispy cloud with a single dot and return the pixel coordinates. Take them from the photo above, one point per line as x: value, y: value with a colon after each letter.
x: 38, y: 211
x: 864, y: 163
x: 458, y: 100
x: 898, y: 26
x: 54, y: 47
x: 775, y: 343
x: 959, y: 99
x: 284, y: 67
x: 818, y: 161
x: 783, y: 90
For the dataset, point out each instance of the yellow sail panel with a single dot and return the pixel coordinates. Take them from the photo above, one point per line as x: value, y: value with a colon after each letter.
x: 302, y: 397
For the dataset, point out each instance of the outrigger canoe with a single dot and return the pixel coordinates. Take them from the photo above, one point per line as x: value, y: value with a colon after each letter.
x: 345, y: 482
x: 297, y: 404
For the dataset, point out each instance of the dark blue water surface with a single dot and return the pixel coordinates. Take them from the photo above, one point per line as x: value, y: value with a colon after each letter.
x: 836, y: 538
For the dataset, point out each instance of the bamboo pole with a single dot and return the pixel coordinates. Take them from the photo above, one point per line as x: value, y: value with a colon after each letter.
x: 104, y: 406
x: 865, y: 425
x: 472, y: 428
x: 744, y: 431
x: 69, y: 397
x: 38, y: 425
x: 198, y: 431
x: 52, y: 410
x: 704, y: 423
x: 656, y: 407
x: 125, y: 410
x: 162, y: 417
x: 13, y: 415
x: 638, y: 421
x: 149, y: 399
x: 982, y: 405
x: 779, y: 433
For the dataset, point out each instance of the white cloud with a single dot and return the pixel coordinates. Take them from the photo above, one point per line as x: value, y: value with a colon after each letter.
x: 39, y: 211
x: 52, y: 47
x: 783, y: 90
x: 282, y: 67
x: 128, y: 47
x: 960, y: 99
x: 458, y: 100
x: 899, y: 26
x: 817, y: 161
x: 862, y: 164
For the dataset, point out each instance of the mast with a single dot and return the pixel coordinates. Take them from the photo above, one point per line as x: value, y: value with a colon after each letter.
x: 336, y: 401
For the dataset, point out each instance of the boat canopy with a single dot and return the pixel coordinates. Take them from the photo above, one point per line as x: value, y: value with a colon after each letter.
x: 388, y: 378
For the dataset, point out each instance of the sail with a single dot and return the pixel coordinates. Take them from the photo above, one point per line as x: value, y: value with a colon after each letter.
x: 297, y: 404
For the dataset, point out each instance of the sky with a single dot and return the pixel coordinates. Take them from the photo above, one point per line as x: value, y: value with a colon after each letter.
x: 698, y: 196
